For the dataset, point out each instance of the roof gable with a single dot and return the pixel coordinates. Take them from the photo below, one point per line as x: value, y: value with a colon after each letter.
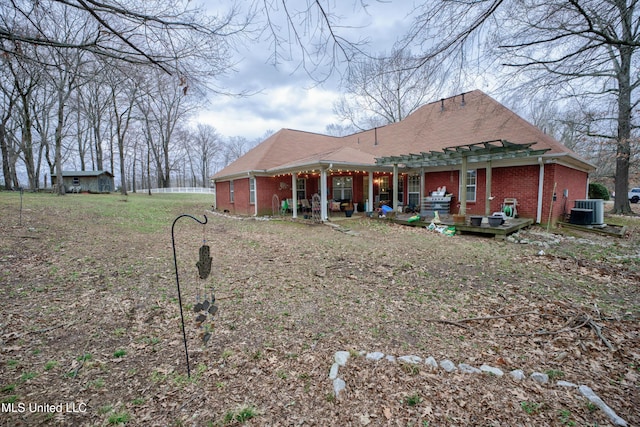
x: 465, y: 119
x: 283, y: 147
x: 460, y: 120
x: 83, y: 173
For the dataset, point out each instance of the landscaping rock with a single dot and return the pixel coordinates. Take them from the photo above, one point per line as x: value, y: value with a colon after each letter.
x: 468, y: 369
x: 566, y: 384
x: 339, y: 386
x: 540, y: 377
x: 593, y: 398
x: 410, y: 359
x: 431, y: 362
x: 333, y: 372
x: 517, y: 374
x: 491, y: 370
x: 375, y: 356
x: 448, y: 365
x: 342, y: 357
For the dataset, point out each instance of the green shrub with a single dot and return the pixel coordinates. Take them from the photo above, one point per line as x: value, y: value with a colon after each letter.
x: 598, y: 191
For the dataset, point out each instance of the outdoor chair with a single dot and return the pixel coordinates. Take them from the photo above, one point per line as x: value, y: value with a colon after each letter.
x: 305, y: 206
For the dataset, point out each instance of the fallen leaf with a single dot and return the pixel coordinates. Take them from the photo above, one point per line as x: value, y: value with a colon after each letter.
x: 386, y: 412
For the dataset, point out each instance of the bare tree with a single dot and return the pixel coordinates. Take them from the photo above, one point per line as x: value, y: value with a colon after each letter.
x: 92, y: 102
x: 163, y: 104
x: 144, y: 32
x: 574, y: 48
x: 337, y: 129
x: 25, y: 78
x: 234, y: 148
x: 384, y: 90
x: 7, y: 146
x: 206, y: 143
x: 316, y: 29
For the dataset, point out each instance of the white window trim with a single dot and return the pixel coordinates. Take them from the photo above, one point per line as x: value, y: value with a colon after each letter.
x: 469, y: 186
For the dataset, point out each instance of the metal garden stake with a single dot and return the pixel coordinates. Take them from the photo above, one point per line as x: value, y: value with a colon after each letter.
x: 202, y: 267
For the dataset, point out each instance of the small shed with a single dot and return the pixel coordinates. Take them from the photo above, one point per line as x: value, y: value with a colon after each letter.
x: 90, y: 181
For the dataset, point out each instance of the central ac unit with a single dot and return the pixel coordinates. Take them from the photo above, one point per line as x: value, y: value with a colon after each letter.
x: 597, y: 206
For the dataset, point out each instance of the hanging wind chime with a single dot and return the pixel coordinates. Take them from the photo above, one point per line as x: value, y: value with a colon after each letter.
x: 205, y: 310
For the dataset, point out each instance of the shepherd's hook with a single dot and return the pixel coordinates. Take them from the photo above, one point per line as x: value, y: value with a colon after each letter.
x: 175, y: 262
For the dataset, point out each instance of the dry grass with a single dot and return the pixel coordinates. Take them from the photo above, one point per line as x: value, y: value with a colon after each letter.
x: 86, y: 276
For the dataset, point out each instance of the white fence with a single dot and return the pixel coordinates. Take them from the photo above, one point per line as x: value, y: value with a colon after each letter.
x: 178, y: 190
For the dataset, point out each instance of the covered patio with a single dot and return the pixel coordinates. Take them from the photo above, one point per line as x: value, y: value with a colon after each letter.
x: 462, y: 156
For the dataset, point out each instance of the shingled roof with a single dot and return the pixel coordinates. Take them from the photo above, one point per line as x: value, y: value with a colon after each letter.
x: 469, y: 118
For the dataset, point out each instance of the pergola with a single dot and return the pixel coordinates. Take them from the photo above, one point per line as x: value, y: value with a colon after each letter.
x: 488, y: 151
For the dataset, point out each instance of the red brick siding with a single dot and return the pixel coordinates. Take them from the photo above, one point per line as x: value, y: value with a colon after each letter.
x: 448, y: 179
x: 267, y: 187
x: 519, y: 182
x: 222, y: 196
x: 507, y: 182
x: 574, y: 181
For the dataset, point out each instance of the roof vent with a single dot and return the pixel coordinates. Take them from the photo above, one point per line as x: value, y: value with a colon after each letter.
x: 441, y: 104
x: 462, y: 104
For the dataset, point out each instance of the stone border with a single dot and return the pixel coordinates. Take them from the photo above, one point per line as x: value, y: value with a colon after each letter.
x: 341, y: 358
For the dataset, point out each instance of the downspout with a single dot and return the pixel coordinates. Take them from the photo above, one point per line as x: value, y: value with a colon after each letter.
x: 255, y: 195
x: 586, y: 196
x: 215, y: 195
x: 540, y: 191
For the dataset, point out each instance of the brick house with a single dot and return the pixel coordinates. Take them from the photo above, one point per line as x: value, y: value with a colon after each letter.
x: 470, y: 144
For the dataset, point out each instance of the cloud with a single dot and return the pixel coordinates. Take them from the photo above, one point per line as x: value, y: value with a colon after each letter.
x: 286, y: 96
x: 280, y: 107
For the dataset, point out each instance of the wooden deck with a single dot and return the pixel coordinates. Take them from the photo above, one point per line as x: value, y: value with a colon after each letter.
x: 511, y: 225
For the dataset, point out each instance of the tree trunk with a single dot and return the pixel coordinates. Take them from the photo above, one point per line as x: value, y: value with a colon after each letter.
x: 623, y: 143
x: 60, y: 190
x: 6, y: 170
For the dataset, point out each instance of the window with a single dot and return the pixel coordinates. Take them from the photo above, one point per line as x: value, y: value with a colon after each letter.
x: 252, y: 190
x: 400, y: 192
x: 471, y: 186
x: 342, y: 188
x: 76, y: 180
x: 231, y: 197
x: 413, y: 186
x: 301, y: 188
x: 383, y: 188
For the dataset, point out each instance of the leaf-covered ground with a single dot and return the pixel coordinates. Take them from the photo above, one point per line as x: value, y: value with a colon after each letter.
x: 90, y: 319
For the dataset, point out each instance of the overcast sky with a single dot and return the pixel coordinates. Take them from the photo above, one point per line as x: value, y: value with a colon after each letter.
x: 289, y: 98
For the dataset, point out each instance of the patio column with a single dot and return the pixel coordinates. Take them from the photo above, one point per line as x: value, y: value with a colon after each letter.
x: 487, y: 206
x: 422, y: 186
x: 395, y: 187
x: 463, y: 186
x: 323, y: 194
x: 370, y: 190
x: 294, y: 194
